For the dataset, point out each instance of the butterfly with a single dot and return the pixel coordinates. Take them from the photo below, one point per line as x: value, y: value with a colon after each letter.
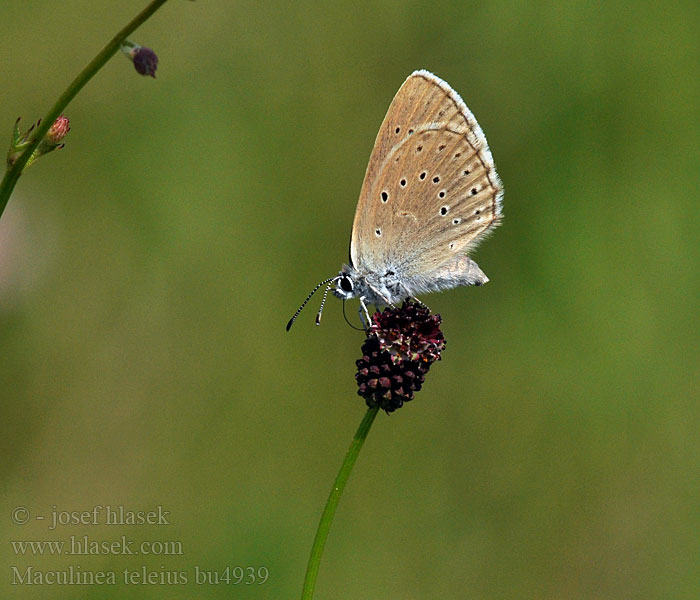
x: 430, y: 195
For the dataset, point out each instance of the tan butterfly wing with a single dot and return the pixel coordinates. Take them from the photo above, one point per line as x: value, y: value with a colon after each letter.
x: 431, y: 191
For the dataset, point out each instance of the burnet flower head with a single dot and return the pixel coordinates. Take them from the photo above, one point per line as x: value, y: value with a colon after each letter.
x: 401, y: 345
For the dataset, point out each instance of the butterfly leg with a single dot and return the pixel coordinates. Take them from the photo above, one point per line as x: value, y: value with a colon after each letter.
x: 412, y: 297
x: 418, y: 302
x: 364, y: 313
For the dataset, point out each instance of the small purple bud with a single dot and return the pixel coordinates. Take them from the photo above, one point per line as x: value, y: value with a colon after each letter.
x: 145, y: 60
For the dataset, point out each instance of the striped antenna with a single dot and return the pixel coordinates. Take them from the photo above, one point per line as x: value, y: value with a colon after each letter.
x: 323, y: 301
x: 303, y: 304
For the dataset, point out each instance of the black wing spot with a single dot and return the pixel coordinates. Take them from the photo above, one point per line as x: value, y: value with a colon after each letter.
x: 422, y: 175
x: 385, y: 197
x: 436, y: 179
x: 441, y: 147
x: 419, y: 148
x: 397, y: 130
x: 458, y: 155
x: 378, y: 232
x: 456, y: 221
x: 443, y: 210
x: 474, y: 191
x: 403, y: 183
x: 477, y: 212
x: 410, y: 131
x: 441, y: 194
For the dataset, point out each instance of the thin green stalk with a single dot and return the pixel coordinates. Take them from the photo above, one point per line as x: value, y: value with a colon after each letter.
x: 13, y: 173
x: 328, y: 512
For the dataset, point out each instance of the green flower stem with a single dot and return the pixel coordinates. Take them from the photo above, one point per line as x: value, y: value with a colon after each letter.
x: 13, y: 173
x: 332, y: 503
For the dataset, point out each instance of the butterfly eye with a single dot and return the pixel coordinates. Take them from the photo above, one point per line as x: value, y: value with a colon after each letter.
x: 346, y: 284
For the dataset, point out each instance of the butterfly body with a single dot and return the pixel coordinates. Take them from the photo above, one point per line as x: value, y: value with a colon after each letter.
x: 380, y: 289
x: 393, y: 285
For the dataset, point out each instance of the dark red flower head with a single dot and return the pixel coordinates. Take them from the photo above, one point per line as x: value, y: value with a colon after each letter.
x: 401, y: 345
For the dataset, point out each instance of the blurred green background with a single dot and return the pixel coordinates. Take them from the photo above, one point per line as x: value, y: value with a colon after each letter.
x: 148, y: 269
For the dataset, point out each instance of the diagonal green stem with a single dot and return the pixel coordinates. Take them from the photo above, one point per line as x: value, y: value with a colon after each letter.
x: 13, y: 173
x: 328, y: 512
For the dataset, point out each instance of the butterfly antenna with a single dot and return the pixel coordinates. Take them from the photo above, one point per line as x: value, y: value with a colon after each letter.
x: 323, y: 301
x: 303, y: 304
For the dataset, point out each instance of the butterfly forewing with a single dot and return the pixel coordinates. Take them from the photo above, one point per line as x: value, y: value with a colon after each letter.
x: 431, y: 190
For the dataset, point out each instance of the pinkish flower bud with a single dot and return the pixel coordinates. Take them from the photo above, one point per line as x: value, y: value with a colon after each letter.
x: 51, y: 141
x: 58, y: 131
